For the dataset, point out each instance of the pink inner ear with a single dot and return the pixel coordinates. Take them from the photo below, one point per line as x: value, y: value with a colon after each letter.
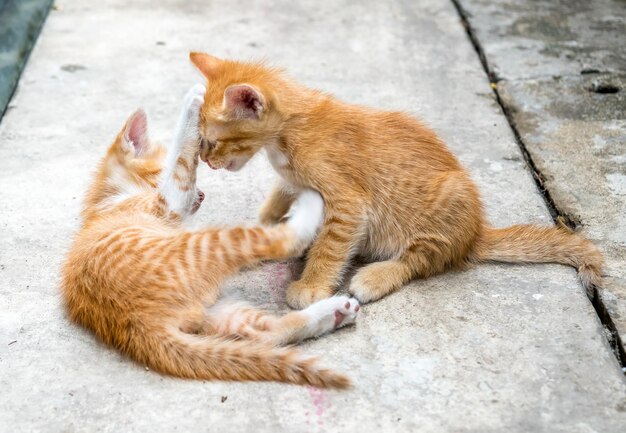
x: 136, y: 133
x: 244, y: 101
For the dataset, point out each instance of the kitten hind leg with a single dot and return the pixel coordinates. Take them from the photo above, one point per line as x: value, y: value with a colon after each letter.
x: 238, y: 319
x: 322, y: 317
x: 194, y: 321
x: 177, y: 184
x: 376, y: 280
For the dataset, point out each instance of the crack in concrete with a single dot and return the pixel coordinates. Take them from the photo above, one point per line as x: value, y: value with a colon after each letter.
x: 494, y: 78
x: 559, y: 217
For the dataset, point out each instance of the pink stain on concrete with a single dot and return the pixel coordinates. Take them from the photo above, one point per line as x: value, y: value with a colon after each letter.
x: 320, y: 400
x: 279, y: 275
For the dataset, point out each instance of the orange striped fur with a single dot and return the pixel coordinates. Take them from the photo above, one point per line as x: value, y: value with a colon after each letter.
x: 142, y: 282
x: 393, y: 192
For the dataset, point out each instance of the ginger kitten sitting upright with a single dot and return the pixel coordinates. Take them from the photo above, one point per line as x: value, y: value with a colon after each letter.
x: 393, y: 192
x: 142, y: 282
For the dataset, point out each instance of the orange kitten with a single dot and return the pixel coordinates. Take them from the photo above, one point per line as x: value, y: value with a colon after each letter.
x: 142, y: 282
x: 392, y: 190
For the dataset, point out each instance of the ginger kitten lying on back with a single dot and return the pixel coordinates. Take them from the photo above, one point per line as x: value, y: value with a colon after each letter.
x: 142, y: 282
x: 393, y: 192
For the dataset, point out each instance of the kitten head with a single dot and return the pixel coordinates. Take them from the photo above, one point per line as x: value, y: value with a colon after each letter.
x: 240, y: 112
x: 130, y: 168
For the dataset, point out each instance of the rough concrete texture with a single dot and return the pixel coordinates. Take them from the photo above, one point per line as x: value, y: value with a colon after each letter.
x: 496, y: 348
x: 20, y: 22
x: 577, y: 139
x: 543, y: 38
x: 562, y: 71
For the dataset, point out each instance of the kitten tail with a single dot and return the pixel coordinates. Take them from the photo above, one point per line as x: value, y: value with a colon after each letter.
x: 171, y: 351
x: 533, y: 244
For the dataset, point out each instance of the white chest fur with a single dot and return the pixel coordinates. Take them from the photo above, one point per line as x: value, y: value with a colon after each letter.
x: 279, y: 161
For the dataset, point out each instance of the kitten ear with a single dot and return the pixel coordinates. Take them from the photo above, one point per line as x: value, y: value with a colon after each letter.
x: 135, y: 138
x: 209, y: 66
x: 244, y: 102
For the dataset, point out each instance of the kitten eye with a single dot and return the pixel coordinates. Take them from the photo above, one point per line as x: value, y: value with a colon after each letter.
x: 207, y: 145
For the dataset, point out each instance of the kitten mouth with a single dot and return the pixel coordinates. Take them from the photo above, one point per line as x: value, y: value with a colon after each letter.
x: 230, y: 166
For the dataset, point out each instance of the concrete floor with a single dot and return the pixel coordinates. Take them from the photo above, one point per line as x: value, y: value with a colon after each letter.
x: 561, y: 72
x: 496, y: 348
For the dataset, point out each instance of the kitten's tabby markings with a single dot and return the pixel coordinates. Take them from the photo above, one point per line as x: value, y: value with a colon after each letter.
x: 236, y: 318
x: 393, y: 192
x: 142, y: 282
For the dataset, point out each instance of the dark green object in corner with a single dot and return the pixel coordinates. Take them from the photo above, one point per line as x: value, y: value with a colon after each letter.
x: 20, y: 22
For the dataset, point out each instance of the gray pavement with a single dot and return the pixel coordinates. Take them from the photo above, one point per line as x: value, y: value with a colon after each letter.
x: 561, y: 72
x: 496, y: 348
x: 20, y: 22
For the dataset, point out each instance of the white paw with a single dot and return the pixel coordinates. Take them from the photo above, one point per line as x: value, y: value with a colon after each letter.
x: 195, y: 90
x: 190, y: 115
x: 330, y: 314
x: 191, y: 111
x: 306, y: 215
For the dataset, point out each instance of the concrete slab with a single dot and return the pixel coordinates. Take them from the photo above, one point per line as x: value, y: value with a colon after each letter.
x: 562, y: 66
x: 542, y: 38
x: 497, y: 348
x: 20, y: 22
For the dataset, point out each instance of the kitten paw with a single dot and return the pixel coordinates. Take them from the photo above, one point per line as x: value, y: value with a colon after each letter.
x: 363, y: 294
x: 376, y: 280
x: 367, y: 284
x: 193, y: 107
x: 192, y: 104
x: 301, y: 295
x: 195, y: 90
x: 332, y: 313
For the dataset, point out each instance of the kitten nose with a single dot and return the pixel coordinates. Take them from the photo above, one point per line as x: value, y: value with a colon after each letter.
x: 200, y: 196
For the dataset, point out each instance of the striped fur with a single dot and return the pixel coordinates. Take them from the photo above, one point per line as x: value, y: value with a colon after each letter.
x: 393, y: 192
x: 142, y: 282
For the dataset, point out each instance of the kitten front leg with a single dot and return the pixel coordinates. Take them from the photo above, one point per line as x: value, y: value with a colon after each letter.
x: 277, y: 204
x: 177, y: 183
x: 328, y: 257
x: 230, y: 249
